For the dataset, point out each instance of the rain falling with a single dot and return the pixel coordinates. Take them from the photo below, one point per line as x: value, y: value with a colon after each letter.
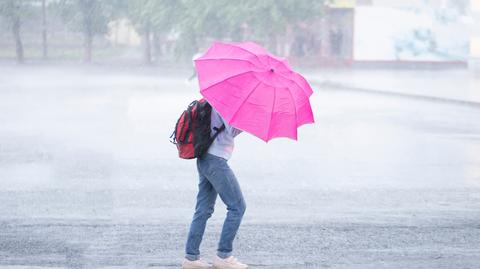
x: 386, y: 173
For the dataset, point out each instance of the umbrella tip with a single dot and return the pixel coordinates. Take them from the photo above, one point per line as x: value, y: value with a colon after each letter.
x: 271, y: 69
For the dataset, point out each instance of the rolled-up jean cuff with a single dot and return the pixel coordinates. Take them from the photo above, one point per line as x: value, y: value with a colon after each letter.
x: 191, y: 257
x: 224, y: 255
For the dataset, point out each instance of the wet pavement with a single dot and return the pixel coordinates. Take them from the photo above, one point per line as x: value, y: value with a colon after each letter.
x: 459, y: 85
x: 90, y: 180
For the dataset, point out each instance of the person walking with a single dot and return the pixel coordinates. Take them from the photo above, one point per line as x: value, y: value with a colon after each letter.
x: 256, y: 92
x: 216, y: 177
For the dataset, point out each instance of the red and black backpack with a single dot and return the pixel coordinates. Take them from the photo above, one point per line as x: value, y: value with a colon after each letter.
x: 192, y: 134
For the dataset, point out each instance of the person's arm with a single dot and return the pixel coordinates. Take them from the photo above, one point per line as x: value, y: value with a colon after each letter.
x: 235, y: 131
x: 230, y: 129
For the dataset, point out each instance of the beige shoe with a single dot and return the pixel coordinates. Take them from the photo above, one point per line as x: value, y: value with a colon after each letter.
x: 228, y: 263
x: 197, y: 264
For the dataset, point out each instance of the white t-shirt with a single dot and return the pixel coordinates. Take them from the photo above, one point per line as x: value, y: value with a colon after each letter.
x: 223, y: 144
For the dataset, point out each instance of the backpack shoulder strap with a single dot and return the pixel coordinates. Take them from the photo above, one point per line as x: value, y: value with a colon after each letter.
x: 218, y: 131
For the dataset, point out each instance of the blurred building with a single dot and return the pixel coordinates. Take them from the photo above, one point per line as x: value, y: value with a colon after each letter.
x: 395, y: 33
x: 337, y: 33
x: 474, y: 61
x: 121, y: 32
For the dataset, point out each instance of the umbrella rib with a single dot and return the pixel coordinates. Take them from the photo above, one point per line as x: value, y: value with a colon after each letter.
x: 216, y: 83
x: 309, y: 94
x: 271, y: 114
x: 244, y: 101
x: 258, y: 58
x: 219, y: 59
x: 295, y: 106
x: 302, y: 88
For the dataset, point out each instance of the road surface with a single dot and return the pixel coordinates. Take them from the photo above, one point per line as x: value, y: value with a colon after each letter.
x: 90, y: 180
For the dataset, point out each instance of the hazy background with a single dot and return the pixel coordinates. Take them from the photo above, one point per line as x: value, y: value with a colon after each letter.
x: 387, y: 177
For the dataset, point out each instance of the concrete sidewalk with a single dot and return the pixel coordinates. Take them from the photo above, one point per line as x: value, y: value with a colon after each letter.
x: 443, y: 85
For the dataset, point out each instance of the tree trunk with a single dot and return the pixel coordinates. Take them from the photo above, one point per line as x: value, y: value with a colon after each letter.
x: 117, y: 30
x: 148, y: 50
x: 44, y: 30
x: 88, y: 40
x: 17, y: 37
x: 87, y: 46
x: 157, y: 45
x: 86, y: 8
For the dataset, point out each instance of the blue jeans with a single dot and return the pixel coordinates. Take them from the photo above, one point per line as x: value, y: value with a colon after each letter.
x: 215, y: 177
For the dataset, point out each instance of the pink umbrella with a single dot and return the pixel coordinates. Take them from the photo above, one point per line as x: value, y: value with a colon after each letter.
x: 253, y: 90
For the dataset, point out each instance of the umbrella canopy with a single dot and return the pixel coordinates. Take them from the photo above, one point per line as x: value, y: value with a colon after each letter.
x: 253, y: 90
